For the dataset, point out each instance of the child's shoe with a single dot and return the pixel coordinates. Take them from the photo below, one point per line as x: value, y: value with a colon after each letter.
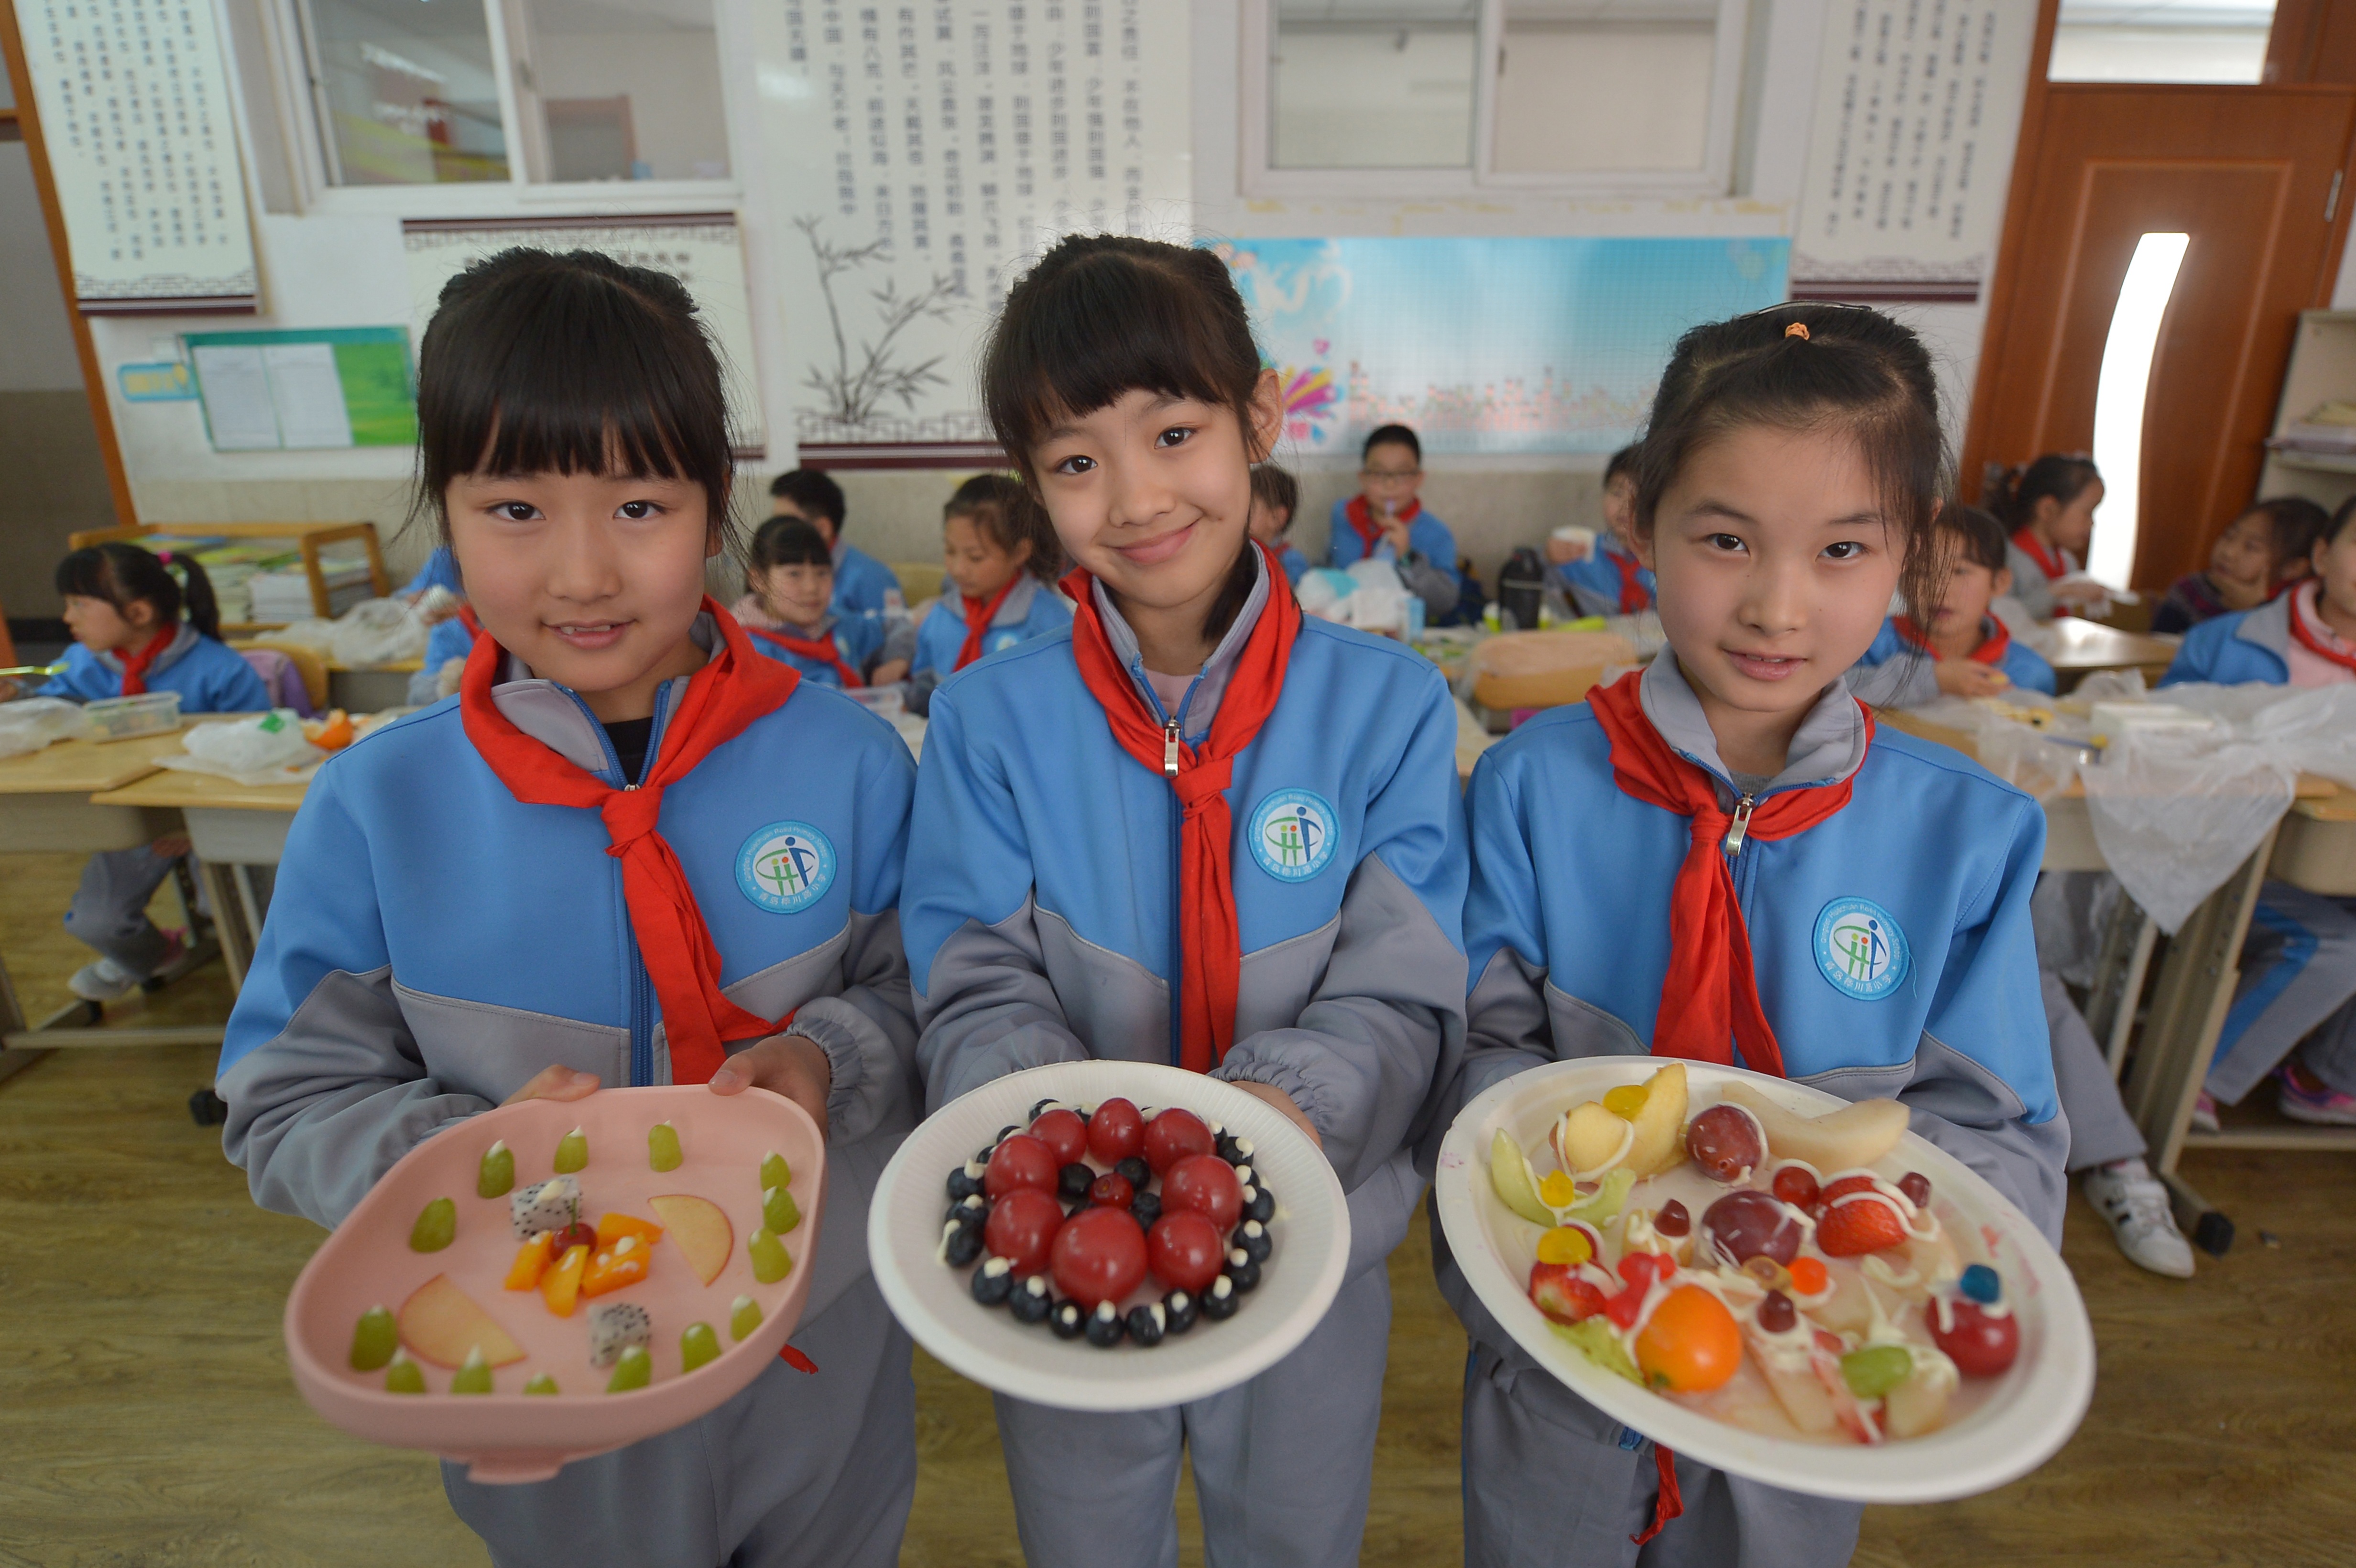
x: 2204, y: 1114
x: 2307, y: 1098
x: 2126, y: 1194
x: 104, y: 981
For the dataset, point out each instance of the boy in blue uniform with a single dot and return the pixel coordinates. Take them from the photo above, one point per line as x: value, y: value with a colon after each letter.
x: 862, y: 585
x: 1606, y: 579
x: 1387, y: 521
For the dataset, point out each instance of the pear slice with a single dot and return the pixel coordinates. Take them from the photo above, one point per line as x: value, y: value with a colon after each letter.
x: 1660, y: 1125
x: 1591, y: 1139
x: 1855, y: 1135
x: 1509, y: 1175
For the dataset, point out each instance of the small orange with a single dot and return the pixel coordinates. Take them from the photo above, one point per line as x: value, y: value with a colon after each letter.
x: 1691, y: 1345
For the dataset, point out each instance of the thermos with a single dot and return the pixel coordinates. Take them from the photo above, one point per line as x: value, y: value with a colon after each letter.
x: 1521, y: 589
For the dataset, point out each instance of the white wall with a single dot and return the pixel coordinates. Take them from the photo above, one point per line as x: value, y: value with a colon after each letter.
x: 36, y: 347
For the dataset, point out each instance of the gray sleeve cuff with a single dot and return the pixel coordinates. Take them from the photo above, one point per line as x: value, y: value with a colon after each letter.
x: 860, y: 1091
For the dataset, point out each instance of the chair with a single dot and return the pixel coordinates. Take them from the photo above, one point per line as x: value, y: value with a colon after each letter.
x: 919, y: 581
x: 307, y: 663
x: 283, y: 677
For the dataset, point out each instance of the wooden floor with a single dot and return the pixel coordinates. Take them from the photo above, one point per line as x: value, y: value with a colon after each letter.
x: 146, y: 1417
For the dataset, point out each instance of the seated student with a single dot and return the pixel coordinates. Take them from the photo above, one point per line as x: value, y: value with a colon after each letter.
x: 1000, y: 555
x: 1968, y: 651
x: 1275, y: 495
x: 2050, y: 506
x: 861, y: 583
x: 788, y: 587
x: 2263, y: 553
x: 440, y: 570
x: 2298, y: 966
x: 123, y: 608
x: 1387, y: 521
x: 448, y: 644
x: 1607, y: 580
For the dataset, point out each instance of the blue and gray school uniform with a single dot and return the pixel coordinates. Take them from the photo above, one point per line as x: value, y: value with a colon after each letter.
x: 2021, y: 663
x: 1592, y: 583
x: 1429, y: 570
x: 1567, y: 929
x: 862, y: 585
x: 1032, y: 609
x: 2234, y: 650
x: 1288, y: 556
x: 1042, y: 916
x: 444, y: 641
x: 109, y: 911
x: 430, y: 950
x: 858, y: 639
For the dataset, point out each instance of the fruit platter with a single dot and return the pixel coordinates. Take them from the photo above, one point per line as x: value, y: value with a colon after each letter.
x: 1784, y: 1285
x: 551, y: 1280
x: 1109, y: 1235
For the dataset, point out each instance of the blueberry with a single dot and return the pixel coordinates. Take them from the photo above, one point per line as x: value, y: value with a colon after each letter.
x: 1040, y: 1109
x: 1262, y: 1206
x: 1073, y: 1181
x: 972, y: 1212
x: 1067, y: 1321
x: 965, y: 1246
x: 1179, y: 1311
x: 1105, y: 1328
x: 981, y: 1156
x: 1137, y: 1170
x: 1227, y: 1151
x: 1146, y: 1208
x: 1032, y: 1300
x: 1004, y: 1132
x: 993, y: 1282
x: 1243, y: 1268
x: 1253, y: 1238
x: 962, y: 1186
x: 1219, y: 1302
x: 1145, y: 1326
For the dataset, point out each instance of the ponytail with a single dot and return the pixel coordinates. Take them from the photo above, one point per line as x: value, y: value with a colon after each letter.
x: 123, y: 575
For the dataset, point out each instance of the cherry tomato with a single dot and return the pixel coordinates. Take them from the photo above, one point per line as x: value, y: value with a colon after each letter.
x: 1111, y: 1191
x: 1064, y: 1132
x: 1690, y: 1344
x: 1173, y: 1135
x: 1208, y: 1185
x: 1184, y: 1250
x: 580, y: 1233
x: 1020, y: 1162
x: 1100, y: 1255
x: 1021, y: 1228
x: 1979, y: 1345
x: 1115, y: 1131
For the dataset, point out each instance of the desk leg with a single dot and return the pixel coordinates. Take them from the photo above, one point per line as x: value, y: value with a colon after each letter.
x: 2119, y: 971
x: 2188, y: 1013
x: 234, y: 918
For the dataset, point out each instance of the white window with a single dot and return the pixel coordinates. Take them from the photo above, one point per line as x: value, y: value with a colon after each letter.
x: 1443, y: 97
x: 2161, y: 40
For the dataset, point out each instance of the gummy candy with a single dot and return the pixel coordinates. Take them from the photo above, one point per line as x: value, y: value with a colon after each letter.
x: 1558, y: 1190
x: 571, y: 1152
x: 1876, y: 1370
x: 743, y: 1317
x: 1565, y: 1245
x: 770, y: 1261
x: 540, y: 1383
x: 636, y: 1369
x: 375, y: 1339
x: 1625, y: 1101
x: 774, y: 1172
x: 1981, y: 1283
x: 436, y: 1227
x: 662, y: 1146
x: 697, y: 1346
x: 498, y: 1174
x: 779, y: 1212
x: 404, y: 1376
x: 475, y: 1376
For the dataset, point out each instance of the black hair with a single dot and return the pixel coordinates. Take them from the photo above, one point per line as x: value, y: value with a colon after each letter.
x: 575, y: 363
x: 2017, y: 490
x: 1392, y: 435
x: 813, y: 494
x: 1622, y: 461
x: 1978, y: 536
x: 2293, y: 524
x: 1009, y: 517
x: 123, y: 575
x: 2340, y: 521
x: 1275, y: 489
x: 1812, y: 366
x: 789, y: 541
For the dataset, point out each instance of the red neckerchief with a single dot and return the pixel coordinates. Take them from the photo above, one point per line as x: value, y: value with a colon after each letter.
x: 1992, y: 642
x: 722, y: 698
x: 134, y: 665
x: 817, y: 650
x: 1362, y: 518
x: 1634, y: 598
x: 2310, y: 637
x: 1213, y: 940
x: 1710, y: 994
x: 2048, y: 562
x: 978, y: 617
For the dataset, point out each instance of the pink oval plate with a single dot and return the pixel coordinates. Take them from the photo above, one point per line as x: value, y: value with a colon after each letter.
x: 507, y: 1435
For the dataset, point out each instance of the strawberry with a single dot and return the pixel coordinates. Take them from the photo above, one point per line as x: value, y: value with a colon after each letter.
x: 1557, y: 1290
x: 1842, y: 1188
x: 1860, y: 1226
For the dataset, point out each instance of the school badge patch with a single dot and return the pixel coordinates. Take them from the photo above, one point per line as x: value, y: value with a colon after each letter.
x: 785, y: 866
x: 1293, y: 834
x: 1860, y: 949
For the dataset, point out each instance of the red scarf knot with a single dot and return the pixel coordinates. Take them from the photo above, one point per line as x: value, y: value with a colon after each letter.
x: 1361, y: 513
x: 817, y: 650
x: 136, y: 664
x: 979, y: 615
x: 1633, y: 599
x: 1997, y: 638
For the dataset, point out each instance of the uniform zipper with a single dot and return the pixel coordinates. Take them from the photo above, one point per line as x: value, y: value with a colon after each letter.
x: 642, y: 991
x: 1172, y: 736
x: 1739, y: 828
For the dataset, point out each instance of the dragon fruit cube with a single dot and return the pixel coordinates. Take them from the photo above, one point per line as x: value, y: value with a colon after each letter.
x: 615, y: 1326
x: 551, y: 1206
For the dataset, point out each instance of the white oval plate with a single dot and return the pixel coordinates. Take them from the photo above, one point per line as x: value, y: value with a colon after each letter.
x: 2024, y: 1417
x: 1311, y: 1236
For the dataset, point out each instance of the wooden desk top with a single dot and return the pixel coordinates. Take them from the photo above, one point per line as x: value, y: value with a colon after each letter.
x: 2313, y: 790
x: 82, y: 767
x: 179, y: 790
x: 2087, y: 645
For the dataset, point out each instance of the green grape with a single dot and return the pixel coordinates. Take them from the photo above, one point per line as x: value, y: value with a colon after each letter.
x: 542, y: 1384
x: 475, y: 1376
x: 662, y: 1146
x: 778, y: 1211
x: 436, y: 1227
x: 1876, y: 1370
x: 697, y: 1346
x: 635, y: 1369
x: 770, y: 1261
x: 375, y: 1339
x: 774, y: 1171
x: 404, y: 1376
x: 571, y: 1152
x: 743, y: 1317
x: 498, y: 1174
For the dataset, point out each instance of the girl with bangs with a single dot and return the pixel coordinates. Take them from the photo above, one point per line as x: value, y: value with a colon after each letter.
x: 1193, y: 827
x: 547, y: 883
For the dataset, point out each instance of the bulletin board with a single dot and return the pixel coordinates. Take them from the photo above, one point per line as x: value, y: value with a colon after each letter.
x: 292, y: 390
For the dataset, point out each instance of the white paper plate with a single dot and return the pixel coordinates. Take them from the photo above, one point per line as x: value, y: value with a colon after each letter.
x: 2025, y: 1416
x: 1311, y: 1231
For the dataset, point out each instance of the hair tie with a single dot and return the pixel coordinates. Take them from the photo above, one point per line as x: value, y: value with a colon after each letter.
x: 1798, y: 329
x: 164, y: 557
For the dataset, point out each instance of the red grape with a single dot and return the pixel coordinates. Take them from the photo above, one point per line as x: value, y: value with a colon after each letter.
x: 1173, y: 1135
x: 1673, y: 1220
x: 1794, y: 1186
x: 1724, y: 1142
x: 1020, y: 1160
x: 1185, y: 1251
x: 1745, y: 1225
x: 1100, y: 1255
x: 1064, y: 1132
x: 1776, y: 1312
x: 1208, y: 1185
x: 580, y: 1233
x: 1115, y: 1131
x: 1021, y: 1228
x: 1917, y: 1188
x: 1111, y: 1191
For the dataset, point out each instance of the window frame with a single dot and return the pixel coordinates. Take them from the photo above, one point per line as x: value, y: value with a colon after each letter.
x: 1259, y: 177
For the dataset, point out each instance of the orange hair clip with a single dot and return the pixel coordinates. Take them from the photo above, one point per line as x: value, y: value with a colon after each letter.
x: 1798, y: 329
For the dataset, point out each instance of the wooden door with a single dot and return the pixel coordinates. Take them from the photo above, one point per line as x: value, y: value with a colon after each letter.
x: 2253, y: 175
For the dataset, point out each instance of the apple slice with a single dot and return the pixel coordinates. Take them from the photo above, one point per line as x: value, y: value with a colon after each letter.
x: 1660, y: 1141
x: 1591, y: 1140
x: 440, y: 1323
x: 702, y: 1231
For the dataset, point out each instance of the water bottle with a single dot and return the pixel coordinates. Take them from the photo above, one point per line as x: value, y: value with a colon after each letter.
x: 1521, y: 590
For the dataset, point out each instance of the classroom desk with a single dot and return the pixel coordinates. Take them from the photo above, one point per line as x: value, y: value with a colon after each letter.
x: 2079, y: 647
x: 371, y: 688
x: 237, y: 831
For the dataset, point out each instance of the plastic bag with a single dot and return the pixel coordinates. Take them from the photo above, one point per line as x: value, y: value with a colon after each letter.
x: 311, y: 631
x: 1321, y: 587
x: 377, y: 632
x: 269, y: 748
x: 1377, y: 601
x: 32, y: 723
x: 2177, y: 812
